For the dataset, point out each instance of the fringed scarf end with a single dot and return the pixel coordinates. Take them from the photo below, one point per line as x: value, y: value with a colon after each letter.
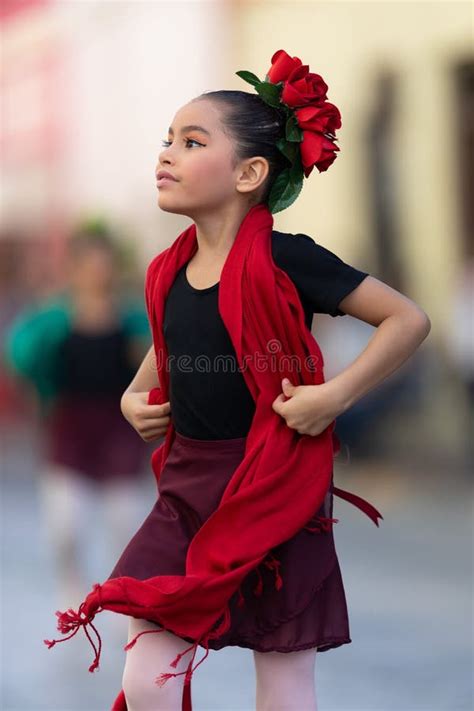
x: 72, y: 620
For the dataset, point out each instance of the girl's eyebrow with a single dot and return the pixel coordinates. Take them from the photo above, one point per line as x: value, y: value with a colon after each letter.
x: 190, y: 127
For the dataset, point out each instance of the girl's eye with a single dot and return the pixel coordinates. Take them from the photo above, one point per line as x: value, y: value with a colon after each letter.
x: 165, y: 144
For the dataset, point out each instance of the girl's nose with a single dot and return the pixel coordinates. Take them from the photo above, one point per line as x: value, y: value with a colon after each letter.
x: 164, y: 157
x: 164, y: 160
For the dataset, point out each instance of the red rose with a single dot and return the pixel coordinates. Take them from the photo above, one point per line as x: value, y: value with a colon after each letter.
x: 325, y: 117
x: 319, y: 124
x: 301, y: 87
x: 282, y: 66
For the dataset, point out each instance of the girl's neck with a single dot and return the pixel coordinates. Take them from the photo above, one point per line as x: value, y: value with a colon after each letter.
x: 216, y: 233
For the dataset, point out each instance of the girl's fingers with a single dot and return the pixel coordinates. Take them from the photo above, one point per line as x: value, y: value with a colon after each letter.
x: 153, y: 430
x: 160, y: 427
x: 156, y: 422
x: 152, y: 434
x: 153, y: 411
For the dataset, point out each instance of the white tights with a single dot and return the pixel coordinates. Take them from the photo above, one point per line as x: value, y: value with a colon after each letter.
x: 285, y: 680
x: 86, y: 526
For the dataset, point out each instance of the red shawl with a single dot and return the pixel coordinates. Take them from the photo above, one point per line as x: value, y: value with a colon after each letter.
x: 281, y: 481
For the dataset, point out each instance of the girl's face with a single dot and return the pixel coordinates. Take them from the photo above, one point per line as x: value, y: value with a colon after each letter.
x: 94, y: 268
x: 199, y: 156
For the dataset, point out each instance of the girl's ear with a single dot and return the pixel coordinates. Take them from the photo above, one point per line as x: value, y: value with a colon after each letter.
x: 252, y: 174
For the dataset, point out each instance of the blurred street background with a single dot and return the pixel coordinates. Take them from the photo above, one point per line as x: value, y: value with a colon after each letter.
x: 88, y: 91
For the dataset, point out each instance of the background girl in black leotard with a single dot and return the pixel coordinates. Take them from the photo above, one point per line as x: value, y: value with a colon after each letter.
x: 78, y: 350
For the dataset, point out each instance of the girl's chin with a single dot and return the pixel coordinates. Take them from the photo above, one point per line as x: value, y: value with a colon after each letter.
x: 167, y: 206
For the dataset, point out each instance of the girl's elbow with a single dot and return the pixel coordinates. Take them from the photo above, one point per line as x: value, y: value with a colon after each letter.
x: 421, y: 322
x: 427, y: 324
x: 414, y: 320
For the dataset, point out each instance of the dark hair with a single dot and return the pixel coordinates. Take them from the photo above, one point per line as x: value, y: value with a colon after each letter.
x: 91, y: 234
x: 254, y: 128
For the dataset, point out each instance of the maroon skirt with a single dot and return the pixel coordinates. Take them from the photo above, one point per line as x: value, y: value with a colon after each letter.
x: 89, y: 434
x: 309, y: 609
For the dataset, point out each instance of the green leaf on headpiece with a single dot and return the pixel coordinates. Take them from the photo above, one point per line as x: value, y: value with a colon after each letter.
x: 289, y: 150
x: 293, y: 131
x: 249, y: 77
x: 296, y: 170
x: 286, y: 188
x: 269, y: 92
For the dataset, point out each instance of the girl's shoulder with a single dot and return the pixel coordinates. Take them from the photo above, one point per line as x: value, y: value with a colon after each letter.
x: 321, y: 276
x: 49, y: 312
x: 291, y: 246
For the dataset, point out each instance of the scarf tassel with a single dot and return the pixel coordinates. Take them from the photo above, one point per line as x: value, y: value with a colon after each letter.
x: 132, y: 642
x: 321, y: 523
x: 204, y: 640
x: 273, y: 564
x: 71, y: 620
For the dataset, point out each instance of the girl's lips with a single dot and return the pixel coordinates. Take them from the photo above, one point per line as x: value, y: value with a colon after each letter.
x: 164, y: 181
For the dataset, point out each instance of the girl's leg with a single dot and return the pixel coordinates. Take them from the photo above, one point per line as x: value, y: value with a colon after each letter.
x: 146, y: 660
x: 286, y: 680
x: 64, y: 499
x: 125, y: 506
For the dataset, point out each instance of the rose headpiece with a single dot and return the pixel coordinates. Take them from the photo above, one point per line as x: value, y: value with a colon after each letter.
x: 311, y: 122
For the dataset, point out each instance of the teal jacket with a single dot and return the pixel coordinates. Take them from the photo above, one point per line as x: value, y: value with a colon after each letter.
x: 31, y: 346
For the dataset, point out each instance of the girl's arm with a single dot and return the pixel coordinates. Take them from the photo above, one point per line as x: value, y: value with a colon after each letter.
x: 31, y: 349
x: 401, y: 327
x: 150, y: 421
x: 146, y: 376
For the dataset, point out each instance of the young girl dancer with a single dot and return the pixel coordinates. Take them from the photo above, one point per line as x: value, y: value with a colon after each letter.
x: 238, y: 548
x: 90, y: 456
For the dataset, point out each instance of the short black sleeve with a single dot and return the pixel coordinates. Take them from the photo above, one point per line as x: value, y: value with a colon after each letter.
x: 321, y: 277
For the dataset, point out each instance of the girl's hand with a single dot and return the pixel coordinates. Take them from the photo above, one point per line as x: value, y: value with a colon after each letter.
x: 150, y: 421
x: 308, y: 409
